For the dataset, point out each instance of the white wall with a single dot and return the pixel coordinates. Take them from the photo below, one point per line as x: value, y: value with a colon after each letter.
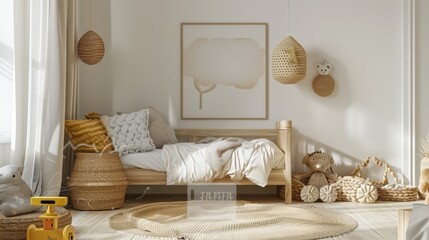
x: 361, y: 39
x: 422, y: 74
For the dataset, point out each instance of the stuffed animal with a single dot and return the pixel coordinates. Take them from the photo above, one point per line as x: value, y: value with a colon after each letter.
x: 323, y: 69
x: 424, y: 184
x: 14, y: 193
x: 319, y: 178
x: 323, y: 84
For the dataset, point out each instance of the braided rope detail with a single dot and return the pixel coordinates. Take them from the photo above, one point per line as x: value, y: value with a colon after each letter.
x: 379, y: 163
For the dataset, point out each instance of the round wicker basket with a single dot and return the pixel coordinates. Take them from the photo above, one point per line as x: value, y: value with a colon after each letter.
x: 90, y: 48
x: 323, y: 85
x: 289, y: 61
x: 97, y: 182
x: 15, y: 228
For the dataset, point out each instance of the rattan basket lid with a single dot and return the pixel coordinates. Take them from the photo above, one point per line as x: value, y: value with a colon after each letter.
x: 90, y: 48
x: 323, y: 85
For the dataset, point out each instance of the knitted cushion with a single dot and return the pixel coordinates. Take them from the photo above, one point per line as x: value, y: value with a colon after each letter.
x: 160, y: 132
x: 129, y: 132
x: 88, y: 135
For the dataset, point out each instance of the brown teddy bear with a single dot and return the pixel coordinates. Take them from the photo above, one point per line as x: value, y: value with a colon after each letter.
x: 319, y: 178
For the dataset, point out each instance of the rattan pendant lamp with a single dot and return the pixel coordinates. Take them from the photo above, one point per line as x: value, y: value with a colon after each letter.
x: 289, y: 60
x: 90, y: 47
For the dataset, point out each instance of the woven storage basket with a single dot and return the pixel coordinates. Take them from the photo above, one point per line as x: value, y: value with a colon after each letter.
x: 289, y: 61
x: 15, y: 228
x: 90, y: 48
x: 97, y: 182
x: 386, y: 191
x: 347, y: 187
x: 398, y: 193
x: 296, y: 190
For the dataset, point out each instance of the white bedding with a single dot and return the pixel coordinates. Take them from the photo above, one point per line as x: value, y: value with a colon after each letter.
x: 186, y: 163
x: 145, y: 160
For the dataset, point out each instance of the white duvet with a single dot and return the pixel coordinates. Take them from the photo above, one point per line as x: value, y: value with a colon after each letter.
x: 187, y: 163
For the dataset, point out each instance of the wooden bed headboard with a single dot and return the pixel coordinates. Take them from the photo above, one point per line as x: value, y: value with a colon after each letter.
x: 281, y: 135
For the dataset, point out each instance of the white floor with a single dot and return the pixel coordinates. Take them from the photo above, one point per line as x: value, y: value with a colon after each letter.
x: 376, y: 221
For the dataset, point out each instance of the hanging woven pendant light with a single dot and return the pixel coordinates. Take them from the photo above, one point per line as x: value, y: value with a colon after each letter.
x: 289, y: 61
x: 90, y: 47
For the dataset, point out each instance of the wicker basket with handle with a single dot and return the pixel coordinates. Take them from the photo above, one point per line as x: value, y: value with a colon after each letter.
x: 388, y: 191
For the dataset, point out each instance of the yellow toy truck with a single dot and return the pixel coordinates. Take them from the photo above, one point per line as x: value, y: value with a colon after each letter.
x: 50, y: 230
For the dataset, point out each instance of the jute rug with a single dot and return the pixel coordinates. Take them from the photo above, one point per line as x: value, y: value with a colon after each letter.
x: 169, y: 220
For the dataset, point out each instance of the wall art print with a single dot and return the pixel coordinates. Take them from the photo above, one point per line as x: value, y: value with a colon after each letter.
x: 224, y: 71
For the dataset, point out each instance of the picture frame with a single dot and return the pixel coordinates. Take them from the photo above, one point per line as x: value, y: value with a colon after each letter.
x: 224, y: 71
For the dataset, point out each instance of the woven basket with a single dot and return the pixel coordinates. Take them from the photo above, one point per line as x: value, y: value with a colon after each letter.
x: 347, y: 187
x: 90, y: 48
x: 296, y: 190
x: 97, y: 182
x: 289, y: 61
x: 323, y: 85
x: 386, y: 191
x: 15, y: 228
x: 398, y: 193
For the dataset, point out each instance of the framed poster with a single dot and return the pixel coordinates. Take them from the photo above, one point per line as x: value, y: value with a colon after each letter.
x: 224, y: 71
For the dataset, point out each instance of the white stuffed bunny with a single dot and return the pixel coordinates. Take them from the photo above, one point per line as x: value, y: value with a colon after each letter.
x: 14, y: 193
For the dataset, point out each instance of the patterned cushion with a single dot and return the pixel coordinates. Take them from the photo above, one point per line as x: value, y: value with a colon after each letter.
x: 88, y: 135
x: 129, y: 132
x: 160, y: 132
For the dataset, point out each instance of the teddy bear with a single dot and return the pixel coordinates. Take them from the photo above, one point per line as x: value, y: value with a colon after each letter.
x: 323, y: 84
x: 14, y: 193
x: 319, y: 178
x: 424, y: 184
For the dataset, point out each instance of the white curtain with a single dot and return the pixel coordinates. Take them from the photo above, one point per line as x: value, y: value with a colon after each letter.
x: 40, y: 90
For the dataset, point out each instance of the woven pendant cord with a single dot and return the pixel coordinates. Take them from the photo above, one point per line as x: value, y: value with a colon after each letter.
x: 90, y: 47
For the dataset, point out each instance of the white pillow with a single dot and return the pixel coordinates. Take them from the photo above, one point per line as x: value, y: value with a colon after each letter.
x: 129, y: 132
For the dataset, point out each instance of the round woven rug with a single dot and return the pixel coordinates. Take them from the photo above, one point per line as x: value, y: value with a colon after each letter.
x: 169, y: 220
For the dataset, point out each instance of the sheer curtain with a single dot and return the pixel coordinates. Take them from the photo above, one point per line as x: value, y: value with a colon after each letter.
x: 6, y: 78
x: 42, y: 56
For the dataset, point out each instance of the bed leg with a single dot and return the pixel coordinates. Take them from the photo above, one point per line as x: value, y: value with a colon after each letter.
x: 285, y: 194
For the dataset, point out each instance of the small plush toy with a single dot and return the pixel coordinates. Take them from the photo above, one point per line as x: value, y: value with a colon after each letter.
x: 319, y: 178
x: 323, y: 84
x: 424, y: 184
x: 14, y: 193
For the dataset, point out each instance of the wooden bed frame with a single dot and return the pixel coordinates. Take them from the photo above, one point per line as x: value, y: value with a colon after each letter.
x: 281, y: 135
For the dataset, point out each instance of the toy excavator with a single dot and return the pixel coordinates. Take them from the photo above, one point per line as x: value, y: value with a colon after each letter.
x: 50, y: 230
